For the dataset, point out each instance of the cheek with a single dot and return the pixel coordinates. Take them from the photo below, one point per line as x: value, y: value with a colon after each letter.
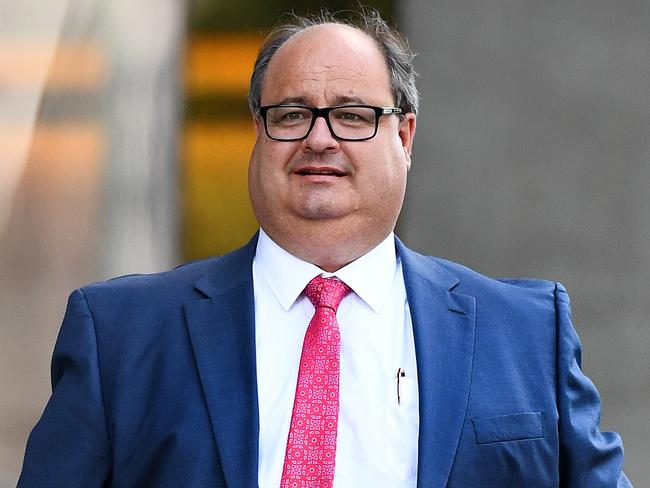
x: 384, y: 186
x: 273, y: 157
x: 261, y: 163
x: 392, y: 169
x: 392, y: 184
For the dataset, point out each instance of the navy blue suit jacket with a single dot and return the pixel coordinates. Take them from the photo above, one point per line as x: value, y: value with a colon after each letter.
x: 154, y: 383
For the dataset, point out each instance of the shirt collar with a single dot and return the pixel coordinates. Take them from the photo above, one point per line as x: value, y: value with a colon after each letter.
x: 371, y: 276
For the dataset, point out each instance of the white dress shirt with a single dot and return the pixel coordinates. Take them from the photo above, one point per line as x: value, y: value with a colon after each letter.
x: 377, y: 437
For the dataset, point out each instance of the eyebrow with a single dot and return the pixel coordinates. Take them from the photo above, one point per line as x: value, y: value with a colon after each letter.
x: 338, y: 100
x: 291, y: 100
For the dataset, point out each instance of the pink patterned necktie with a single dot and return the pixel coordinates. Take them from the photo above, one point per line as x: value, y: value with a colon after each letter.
x: 311, y: 446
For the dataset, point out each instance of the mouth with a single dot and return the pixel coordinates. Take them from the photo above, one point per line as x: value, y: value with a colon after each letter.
x: 320, y: 171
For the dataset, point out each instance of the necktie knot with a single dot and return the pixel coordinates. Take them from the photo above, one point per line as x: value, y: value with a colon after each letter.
x: 326, y: 292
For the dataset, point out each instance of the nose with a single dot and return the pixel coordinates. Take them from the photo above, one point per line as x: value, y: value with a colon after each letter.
x: 320, y: 138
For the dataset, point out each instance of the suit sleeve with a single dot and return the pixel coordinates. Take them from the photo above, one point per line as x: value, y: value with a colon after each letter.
x: 588, y: 457
x: 69, y: 446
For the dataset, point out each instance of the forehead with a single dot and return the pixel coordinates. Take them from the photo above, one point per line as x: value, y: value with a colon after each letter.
x: 326, y: 63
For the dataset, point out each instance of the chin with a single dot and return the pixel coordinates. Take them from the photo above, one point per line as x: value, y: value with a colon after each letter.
x: 321, y: 212
x: 321, y: 208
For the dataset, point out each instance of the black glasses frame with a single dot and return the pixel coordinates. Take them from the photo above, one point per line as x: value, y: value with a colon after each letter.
x: 324, y: 112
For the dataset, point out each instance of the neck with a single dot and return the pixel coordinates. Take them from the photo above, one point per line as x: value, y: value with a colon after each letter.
x: 329, y: 255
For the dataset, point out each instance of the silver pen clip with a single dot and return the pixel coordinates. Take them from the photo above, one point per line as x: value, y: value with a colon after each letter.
x: 400, y: 374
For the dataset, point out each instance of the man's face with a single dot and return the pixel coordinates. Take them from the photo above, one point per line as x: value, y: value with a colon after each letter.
x: 320, y: 186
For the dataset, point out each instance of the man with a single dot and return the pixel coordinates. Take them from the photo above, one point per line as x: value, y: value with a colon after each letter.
x: 323, y: 353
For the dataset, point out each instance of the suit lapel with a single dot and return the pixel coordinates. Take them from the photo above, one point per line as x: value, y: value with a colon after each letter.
x: 443, y: 329
x: 222, y: 333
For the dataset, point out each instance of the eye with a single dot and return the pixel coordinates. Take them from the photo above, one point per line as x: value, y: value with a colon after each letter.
x: 288, y: 116
x: 354, y: 115
x: 294, y: 115
x: 351, y: 116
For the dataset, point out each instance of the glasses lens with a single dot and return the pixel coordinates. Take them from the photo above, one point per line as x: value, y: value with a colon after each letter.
x: 288, y: 122
x: 353, y: 122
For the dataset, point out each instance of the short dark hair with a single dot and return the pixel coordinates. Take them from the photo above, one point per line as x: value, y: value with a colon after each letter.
x: 393, y: 45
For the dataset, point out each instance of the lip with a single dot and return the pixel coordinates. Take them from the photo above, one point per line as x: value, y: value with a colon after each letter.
x: 319, y: 173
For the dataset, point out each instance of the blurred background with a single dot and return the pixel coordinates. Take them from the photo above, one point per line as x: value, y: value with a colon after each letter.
x: 125, y: 135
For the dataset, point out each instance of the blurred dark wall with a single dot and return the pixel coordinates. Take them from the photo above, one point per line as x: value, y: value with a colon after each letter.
x: 532, y: 158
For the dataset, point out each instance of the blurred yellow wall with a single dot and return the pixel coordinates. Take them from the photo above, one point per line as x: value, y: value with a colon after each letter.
x: 217, y: 214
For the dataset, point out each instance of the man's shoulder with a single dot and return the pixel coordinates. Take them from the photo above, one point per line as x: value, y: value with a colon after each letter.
x: 476, y: 277
x: 181, y: 275
x: 502, y: 300
x: 472, y: 282
x: 185, y: 281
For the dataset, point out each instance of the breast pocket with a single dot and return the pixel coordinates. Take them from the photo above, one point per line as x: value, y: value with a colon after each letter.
x: 505, y: 428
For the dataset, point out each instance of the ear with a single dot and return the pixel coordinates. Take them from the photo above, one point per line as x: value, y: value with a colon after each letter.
x: 258, y: 124
x: 406, y: 131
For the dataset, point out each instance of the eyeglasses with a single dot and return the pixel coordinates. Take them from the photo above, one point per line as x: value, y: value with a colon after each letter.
x: 345, y: 122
